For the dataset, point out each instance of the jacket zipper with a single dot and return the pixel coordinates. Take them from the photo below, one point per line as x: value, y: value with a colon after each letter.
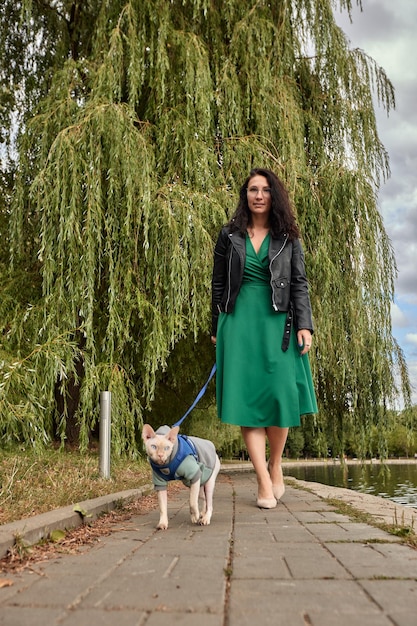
x: 270, y: 271
x: 229, y: 281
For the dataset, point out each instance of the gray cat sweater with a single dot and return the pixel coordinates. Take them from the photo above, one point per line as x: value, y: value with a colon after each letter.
x: 190, y: 468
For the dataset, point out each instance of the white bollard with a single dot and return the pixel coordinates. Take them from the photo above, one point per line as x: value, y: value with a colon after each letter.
x: 104, y: 433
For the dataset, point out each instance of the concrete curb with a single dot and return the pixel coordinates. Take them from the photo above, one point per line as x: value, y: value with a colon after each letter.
x: 383, y: 511
x: 32, y: 529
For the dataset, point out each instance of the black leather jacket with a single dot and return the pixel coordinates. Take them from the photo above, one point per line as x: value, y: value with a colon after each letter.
x: 289, y: 287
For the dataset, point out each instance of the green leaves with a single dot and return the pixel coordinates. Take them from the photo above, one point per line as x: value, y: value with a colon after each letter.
x: 57, y: 535
x: 134, y: 148
x: 78, y: 509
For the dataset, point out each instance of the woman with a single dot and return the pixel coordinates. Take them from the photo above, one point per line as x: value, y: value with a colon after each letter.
x: 262, y: 327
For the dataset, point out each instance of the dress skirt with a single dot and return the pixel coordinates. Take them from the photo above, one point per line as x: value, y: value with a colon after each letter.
x: 257, y: 383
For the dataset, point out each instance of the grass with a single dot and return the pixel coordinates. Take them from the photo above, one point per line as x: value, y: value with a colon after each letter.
x: 36, y: 482
x: 399, y: 528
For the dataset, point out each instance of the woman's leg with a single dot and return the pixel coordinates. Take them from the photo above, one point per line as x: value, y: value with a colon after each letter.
x: 277, y: 438
x: 255, y: 441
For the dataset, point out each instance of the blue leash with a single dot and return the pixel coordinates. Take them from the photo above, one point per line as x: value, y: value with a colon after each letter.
x: 199, y: 396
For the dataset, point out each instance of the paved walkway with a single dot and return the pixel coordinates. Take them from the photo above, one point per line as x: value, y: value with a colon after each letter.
x: 301, y: 564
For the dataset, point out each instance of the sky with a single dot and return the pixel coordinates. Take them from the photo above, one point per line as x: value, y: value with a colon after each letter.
x: 387, y: 31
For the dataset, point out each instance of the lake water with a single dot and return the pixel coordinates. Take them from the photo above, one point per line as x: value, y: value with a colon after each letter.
x: 395, y: 481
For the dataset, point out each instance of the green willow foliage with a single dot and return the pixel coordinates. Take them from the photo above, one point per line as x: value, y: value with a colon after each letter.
x: 147, y: 118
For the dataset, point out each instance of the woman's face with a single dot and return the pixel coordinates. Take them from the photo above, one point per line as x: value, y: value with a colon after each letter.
x: 259, y: 195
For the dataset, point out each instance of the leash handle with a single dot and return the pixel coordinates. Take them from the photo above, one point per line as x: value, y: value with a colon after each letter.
x: 199, y: 396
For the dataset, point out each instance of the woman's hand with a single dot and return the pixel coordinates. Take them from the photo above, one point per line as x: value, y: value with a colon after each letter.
x: 213, y: 340
x: 304, y: 340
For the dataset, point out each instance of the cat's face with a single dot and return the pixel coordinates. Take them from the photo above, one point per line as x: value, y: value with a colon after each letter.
x: 159, y: 447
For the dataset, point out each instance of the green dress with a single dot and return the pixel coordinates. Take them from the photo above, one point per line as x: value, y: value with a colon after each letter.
x: 257, y: 384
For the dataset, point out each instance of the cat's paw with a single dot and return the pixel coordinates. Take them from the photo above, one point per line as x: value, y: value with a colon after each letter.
x: 163, y: 524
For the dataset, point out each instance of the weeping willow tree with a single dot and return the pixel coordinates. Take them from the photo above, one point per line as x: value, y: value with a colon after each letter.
x: 145, y: 117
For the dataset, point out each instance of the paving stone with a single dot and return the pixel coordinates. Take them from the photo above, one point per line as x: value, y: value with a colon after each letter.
x: 404, y: 618
x: 50, y: 592
x: 286, y: 561
x: 376, y: 560
x: 269, y: 530
x: 393, y: 595
x: 300, y: 505
x: 349, y: 532
x: 266, y: 601
x: 30, y: 616
x: 320, y: 517
x: 300, y: 563
x: 323, y: 618
x: 185, y: 619
x: 189, y: 584
x: 95, y: 617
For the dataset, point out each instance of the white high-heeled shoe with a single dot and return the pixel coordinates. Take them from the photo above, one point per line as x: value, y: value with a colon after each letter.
x: 278, y: 491
x: 266, y: 503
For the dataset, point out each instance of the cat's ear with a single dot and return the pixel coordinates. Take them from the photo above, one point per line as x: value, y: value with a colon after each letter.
x: 147, y: 432
x: 172, y: 435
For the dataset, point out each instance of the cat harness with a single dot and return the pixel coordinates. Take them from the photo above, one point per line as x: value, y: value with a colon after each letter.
x: 168, y: 471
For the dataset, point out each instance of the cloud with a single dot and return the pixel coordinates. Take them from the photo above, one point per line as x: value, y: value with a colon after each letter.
x: 386, y: 31
x: 412, y: 338
x: 398, y: 317
x: 412, y: 368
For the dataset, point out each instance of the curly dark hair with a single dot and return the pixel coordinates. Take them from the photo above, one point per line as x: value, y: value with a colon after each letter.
x: 282, y: 218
